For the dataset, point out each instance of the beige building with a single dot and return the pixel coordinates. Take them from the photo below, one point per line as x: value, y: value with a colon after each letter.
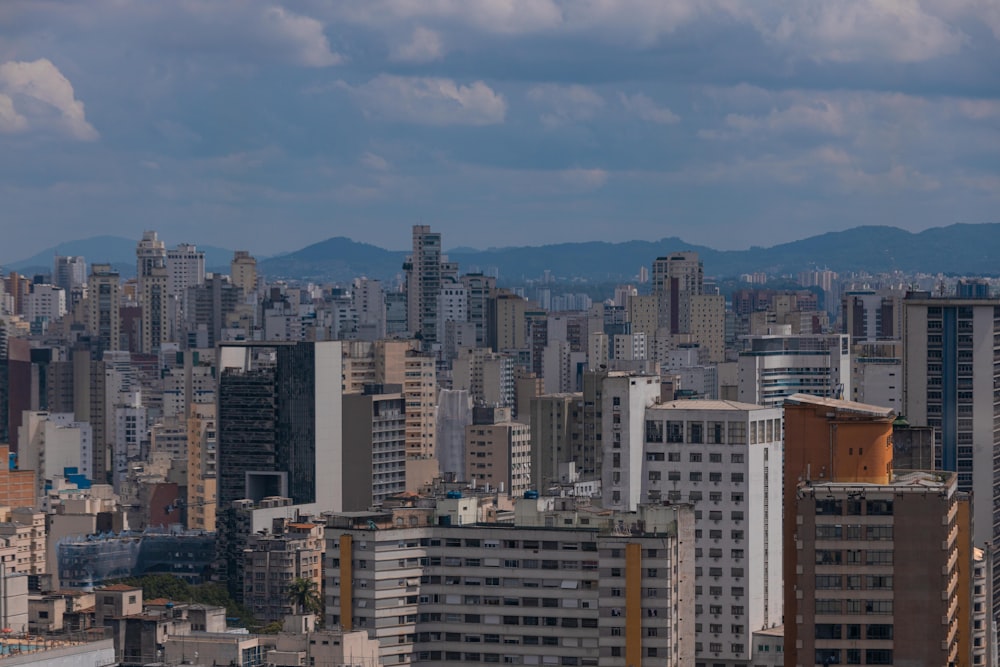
x: 201, y: 471
x: 376, y: 437
x: 498, y: 451
x: 243, y: 272
x: 24, y: 529
x: 103, y: 301
x: 300, y: 643
x: 510, y: 325
x: 273, y: 560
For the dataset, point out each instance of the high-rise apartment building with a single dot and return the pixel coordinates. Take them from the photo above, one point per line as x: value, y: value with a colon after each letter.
x: 479, y: 288
x: 426, y: 270
x: 486, y: 375
x: 877, y: 572
x: 69, y: 272
x: 103, y: 303
x: 560, y: 586
x: 676, y: 278
x: 773, y: 367
x: 152, y: 292
x: 498, y: 451
x: 243, y: 271
x: 826, y: 441
x: 375, y: 436
x: 724, y: 458
x: 185, y: 268
x: 624, y: 398
x: 869, y: 315
x: 202, y: 439
x: 45, y: 304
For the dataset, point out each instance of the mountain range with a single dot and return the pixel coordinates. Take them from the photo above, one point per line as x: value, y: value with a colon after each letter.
x: 965, y: 249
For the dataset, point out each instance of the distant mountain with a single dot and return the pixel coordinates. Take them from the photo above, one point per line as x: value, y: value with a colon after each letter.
x: 958, y: 248
x: 115, y: 250
x: 336, y: 259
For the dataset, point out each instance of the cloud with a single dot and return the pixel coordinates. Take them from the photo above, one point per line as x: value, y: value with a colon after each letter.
x: 566, y: 104
x: 424, y: 46
x: 646, y: 109
x: 819, y: 115
x: 849, y: 31
x: 585, y: 179
x: 375, y: 162
x: 429, y: 101
x: 304, y: 36
x: 47, y: 99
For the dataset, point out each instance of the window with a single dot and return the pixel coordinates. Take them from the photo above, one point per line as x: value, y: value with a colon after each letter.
x: 694, y: 457
x: 878, y: 631
x: 715, y: 458
x: 827, y: 581
x: 694, y: 476
x: 736, y: 478
x: 736, y: 457
x: 878, y: 656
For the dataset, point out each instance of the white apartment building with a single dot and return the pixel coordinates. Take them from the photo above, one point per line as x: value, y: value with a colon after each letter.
x: 46, y: 303
x: 185, y: 268
x: 877, y: 374
x: 50, y: 442
x: 452, y: 306
x: 630, y: 347
x: 570, y: 586
x: 624, y: 398
x: 773, y: 367
x: 725, y: 459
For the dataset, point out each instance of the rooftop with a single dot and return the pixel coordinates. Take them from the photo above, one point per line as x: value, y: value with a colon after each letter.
x: 841, y: 405
x: 707, y: 404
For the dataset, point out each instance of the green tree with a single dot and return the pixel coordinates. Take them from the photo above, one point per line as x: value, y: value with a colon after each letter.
x: 304, y: 596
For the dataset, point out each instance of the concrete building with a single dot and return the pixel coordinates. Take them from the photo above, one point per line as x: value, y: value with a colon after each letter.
x: 773, y: 367
x: 724, y: 458
x: 274, y: 559
x: 560, y: 586
x: 375, y: 436
x: 103, y: 300
x: 498, y: 451
x: 202, y: 474
x: 623, y: 398
x: 426, y: 269
x: 556, y: 428
x: 69, y: 272
x: 486, y: 375
x: 45, y: 304
x: 300, y: 642
x: 452, y: 306
x: 152, y: 292
x: 479, y: 288
x: 877, y: 373
x: 243, y: 271
x: 870, y: 315
x: 185, y: 269
x: 877, y: 572
x: 826, y: 441
x: 368, y: 299
x: 23, y: 529
x: 50, y: 443
x: 676, y: 278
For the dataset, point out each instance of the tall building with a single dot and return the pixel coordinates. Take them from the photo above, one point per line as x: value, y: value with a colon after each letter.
x: 103, y: 302
x: 185, y: 268
x: 45, y: 304
x: 279, y: 423
x: 676, y: 278
x: 479, y: 288
x: 243, y: 271
x: 826, y: 440
x: 375, y: 436
x: 774, y: 367
x: 426, y: 270
x: 869, y: 315
x: 150, y: 253
x: 568, y: 585
x: 69, y: 273
x: 486, y: 375
x: 154, y: 300
x: 950, y: 376
x: 724, y: 458
x: 624, y: 398
x: 202, y: 472
x: 498, y: 451
x: 877, y: 573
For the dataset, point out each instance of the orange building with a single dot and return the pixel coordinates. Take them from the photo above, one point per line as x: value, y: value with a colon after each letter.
x: 17, y: 487
x: 827, y: 440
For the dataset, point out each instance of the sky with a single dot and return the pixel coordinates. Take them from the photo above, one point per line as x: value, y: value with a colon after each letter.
x: 728, y: 123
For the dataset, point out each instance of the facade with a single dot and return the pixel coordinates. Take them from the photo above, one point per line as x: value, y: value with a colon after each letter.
x: 676, y: 278
x: 279, y: 422
x: 426, y: 270
x: 826, y: 441
x: 17, y: 486
x: 593, y: 589
x: 273, y: 560
x: 45, y: 304
x: 498, y: 451
x: 243, y: 271
x: 774, y: 367
x: 877, y: 373
x: 869, y: 316
x: 624, y: 398
x: 724, y: 458
x: 185, y: 268
x: 23, y: 529
x: 103, y: 299
x: 877, y: 574
x: 486, y: 375
x: 375, y: 436
x: 202, y: 474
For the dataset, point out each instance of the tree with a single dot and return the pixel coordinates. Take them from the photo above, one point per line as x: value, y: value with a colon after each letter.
x: 304, y: 596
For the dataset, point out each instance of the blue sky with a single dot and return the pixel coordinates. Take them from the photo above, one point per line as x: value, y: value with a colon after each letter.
x: 728, y: 123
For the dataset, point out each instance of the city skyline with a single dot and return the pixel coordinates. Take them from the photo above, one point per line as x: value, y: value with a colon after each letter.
x: 728, y: 124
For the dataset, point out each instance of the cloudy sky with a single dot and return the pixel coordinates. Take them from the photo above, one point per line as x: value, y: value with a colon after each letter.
x: 499, y: 122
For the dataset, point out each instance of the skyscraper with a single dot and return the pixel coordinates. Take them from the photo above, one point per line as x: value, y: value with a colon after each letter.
x: 425, y: 270
x: 153, y: 292
x: 103, y: 301
x: 676, y: 278
x: 279, y: 423
x: 243, y: 270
